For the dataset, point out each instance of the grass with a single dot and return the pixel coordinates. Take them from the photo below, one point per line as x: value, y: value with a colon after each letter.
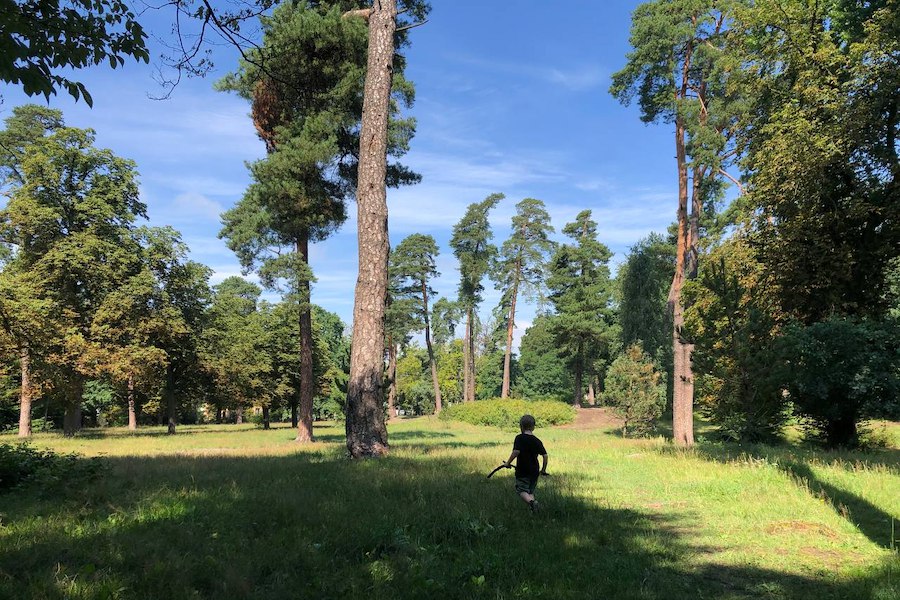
x: 237, y: 512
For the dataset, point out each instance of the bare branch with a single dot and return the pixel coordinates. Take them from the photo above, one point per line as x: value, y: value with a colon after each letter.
x: 412, y: 26
x: 365, y: 13
x: 740, y: 186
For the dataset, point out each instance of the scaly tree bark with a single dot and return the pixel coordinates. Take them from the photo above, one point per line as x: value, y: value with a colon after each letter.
x: 25, y: 394
x: 366, y: 432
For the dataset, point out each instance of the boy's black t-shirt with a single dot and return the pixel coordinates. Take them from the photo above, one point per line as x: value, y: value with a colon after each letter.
x: 529, y: 447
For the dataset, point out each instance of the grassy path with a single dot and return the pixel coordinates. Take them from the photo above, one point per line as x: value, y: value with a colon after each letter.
x: 237, y: 512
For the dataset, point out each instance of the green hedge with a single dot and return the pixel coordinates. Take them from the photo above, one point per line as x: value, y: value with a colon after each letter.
x: 21, y: 463
x: 506, y: 413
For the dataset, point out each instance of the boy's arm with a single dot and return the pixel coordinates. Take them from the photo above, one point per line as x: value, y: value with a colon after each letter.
x: 512, y: 457
x: 544, y: 465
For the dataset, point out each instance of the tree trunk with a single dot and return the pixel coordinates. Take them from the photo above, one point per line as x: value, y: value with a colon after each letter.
x: 591, y: 397
x: 468, y: 336
x: 434, y: 374
x: 132, y: 412
x: 366, y: 432
x: 392, y: 378
x: 307, y: 383
x: 26, y: 393
x: 219, y: 412
x: 470, y: 365
x: 294, y: 413
x: 507, y: 359
x: 683, y: 391
x: 239, y: 415
x: 171, y: 409
x: 72, y: 419
x: 266, y: 417
x: 578, y: 391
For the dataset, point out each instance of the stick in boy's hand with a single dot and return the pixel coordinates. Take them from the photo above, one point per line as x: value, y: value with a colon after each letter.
x: 503, y: 466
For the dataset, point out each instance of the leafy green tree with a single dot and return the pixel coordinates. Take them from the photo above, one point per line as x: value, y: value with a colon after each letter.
x: 677, y: 73
x: 634, y: 389
x: 821, y: 159
x: 413, y: 263
x: 732, y: 322
x: 234, y: 347
x: 521, y: 266
x: 842, y: 371
x: 450, y: 368
x: 643, y: 284
x: 138, y: 321
x: 69, y: 220
x: 543, y: 373
x: 471, y: 243
x: 39, y: 39
x: 581, y: 293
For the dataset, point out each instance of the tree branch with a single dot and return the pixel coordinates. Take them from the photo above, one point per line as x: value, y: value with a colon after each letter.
x: 740, y: 186
x: 412, y: 26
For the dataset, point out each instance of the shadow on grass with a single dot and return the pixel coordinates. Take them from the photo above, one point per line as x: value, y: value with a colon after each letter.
x: 314, y: 525
x: 871, y: 520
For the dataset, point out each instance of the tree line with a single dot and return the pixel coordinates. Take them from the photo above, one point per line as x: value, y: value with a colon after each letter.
x: 778, y: 304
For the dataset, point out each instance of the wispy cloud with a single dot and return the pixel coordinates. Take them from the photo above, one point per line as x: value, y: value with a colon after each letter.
x: 576, y: 78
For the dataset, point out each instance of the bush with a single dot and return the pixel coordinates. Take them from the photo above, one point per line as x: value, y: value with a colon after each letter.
x: 20, y: 463
x: 506, y: 413
x: 633, y: 389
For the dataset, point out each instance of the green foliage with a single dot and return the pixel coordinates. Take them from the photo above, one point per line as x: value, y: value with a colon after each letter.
x: 542, y: 372
x: 41, y: 38
x: 840, y: 372
x: 643, y: 284
x: 21, y: 464
x: 472, y: 247
x: 581, y: 293
x: 822, y: 151
x: 505, y: 413
x: 633, y: 388
x: 732, y: 323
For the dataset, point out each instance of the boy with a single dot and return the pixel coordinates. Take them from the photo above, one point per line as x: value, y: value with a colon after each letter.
x: 526, y: 448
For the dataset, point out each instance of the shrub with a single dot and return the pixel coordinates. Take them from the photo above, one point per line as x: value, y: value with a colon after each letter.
x: 506, y: 413
x: 633, y: 389
x: 20, y: 463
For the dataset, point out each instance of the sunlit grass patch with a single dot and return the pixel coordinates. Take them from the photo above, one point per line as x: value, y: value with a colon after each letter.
x: 238, y: 512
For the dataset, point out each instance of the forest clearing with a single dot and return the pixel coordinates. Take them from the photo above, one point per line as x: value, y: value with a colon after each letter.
x: 280, y: 281
x: 238, y: 512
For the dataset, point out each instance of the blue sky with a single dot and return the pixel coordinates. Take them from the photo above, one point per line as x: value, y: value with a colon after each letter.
x: 511, y: 98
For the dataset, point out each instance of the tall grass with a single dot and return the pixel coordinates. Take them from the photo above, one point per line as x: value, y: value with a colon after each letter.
x: 237, y: 512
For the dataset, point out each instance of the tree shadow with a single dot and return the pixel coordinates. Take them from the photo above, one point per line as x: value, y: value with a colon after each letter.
x: 872, y: 521
x: 315, y: 525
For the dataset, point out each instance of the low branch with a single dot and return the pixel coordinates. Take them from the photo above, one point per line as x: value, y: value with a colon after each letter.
x: 365, y: 13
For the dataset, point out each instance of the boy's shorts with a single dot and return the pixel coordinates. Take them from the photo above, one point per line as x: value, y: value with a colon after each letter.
x: 526, y: 484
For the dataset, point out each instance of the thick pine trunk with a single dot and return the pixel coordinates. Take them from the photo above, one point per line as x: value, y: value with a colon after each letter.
x: 683, y: 392
x: 307, y: 383
x: 239, y: 415
x: 366, y: 432
x: 171, y: 409
x: 507, y: 358
x: 591, y: 397
x: 294, y: 413
x: 266, y: 424
x: 132, y: 410
x: 392, y: 378
x: 26, y: 394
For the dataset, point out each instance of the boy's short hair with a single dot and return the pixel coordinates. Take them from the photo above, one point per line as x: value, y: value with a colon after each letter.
x: 527, y: 423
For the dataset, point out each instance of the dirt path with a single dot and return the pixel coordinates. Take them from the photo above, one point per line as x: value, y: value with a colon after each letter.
x: 598, y: 417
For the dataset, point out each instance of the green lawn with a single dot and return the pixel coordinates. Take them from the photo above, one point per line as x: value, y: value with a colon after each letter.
x: 237, y: 512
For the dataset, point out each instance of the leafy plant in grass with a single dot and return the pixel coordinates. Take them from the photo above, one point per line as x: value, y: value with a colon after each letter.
x: 633, y: 388
x: 20, y: 463
x: 506, y: 413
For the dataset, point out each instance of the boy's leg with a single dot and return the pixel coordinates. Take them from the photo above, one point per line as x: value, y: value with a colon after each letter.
x: 526, y: 497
